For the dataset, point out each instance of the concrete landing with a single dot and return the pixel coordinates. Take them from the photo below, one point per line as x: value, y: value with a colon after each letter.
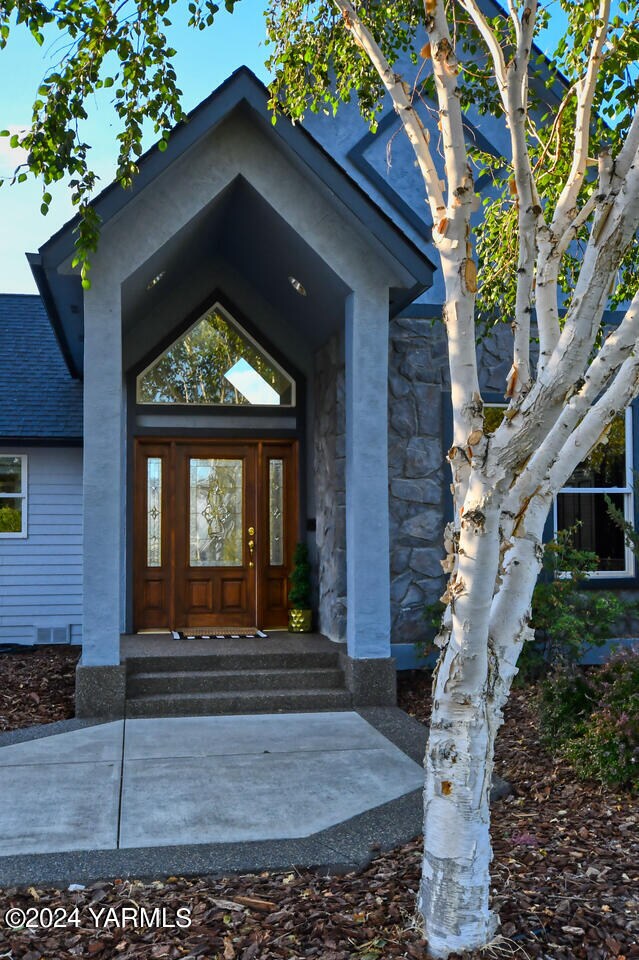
x: 155, y: 645
x: 216, y: 783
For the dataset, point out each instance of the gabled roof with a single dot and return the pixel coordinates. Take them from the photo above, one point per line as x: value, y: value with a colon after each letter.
x: 63, y: 295
x: 39, y: 398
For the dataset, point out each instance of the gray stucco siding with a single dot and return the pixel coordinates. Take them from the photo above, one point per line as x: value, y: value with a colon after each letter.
x: 41, y: 574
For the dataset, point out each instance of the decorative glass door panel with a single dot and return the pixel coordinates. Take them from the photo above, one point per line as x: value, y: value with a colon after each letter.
x: 154, y: 512
x: 215, y: 529
x: 276, y: 512
x: 215, y: 507
x: 277, y: 482
x: 215, y: 495
x: 153, y: 580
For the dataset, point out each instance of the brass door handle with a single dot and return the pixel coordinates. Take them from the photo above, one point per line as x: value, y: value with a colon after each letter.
x: 251, y: 546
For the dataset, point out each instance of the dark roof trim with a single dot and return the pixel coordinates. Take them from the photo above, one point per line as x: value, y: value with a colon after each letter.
x: 40, y: 277
x: 40, y: 442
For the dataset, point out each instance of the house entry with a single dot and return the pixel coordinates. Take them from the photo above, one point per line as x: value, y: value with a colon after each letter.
x: 215, y: 528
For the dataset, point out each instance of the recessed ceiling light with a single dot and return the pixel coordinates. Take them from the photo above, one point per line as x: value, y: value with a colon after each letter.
x: 156, y: 279
x: 297, y: 286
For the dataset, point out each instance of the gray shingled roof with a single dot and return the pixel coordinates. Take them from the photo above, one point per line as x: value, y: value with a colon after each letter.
x: 38, y: 396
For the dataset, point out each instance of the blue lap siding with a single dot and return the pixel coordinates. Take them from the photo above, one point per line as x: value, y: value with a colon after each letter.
x: 41, y: 574
x: 40, y: 418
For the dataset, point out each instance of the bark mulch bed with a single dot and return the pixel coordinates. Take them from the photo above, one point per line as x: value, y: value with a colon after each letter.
x: 37, y: 685
x: 565, y: 882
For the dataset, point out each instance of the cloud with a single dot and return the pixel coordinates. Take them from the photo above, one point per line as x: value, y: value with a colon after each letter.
x: 11, y: 157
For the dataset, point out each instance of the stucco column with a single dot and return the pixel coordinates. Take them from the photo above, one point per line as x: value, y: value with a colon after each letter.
x: 367, y: 540
x: 103, y: 475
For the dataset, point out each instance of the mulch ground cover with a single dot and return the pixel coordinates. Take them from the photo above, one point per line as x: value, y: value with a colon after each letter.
x: 565, y: 876
x: 36, y: 686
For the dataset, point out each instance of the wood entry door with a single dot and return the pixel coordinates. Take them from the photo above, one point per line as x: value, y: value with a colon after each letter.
x: 215, y: 530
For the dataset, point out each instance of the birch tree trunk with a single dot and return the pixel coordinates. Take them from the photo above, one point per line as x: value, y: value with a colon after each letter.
x: 457, y: 852
x: 503, y: 484
x: 470, y: 690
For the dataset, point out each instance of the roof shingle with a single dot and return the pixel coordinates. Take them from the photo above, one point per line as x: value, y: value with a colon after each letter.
x: 38, y: 396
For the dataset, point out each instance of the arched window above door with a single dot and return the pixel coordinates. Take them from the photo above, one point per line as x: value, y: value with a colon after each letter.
x: 216, y: 362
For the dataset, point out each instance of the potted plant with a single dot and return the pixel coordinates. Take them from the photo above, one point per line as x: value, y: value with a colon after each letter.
x: 300, y: 614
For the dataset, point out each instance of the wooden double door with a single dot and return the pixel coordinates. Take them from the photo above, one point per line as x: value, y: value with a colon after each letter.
x: 214, y: 532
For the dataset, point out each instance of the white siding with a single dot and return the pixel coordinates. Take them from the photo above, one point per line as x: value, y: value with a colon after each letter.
x: 41, y: 574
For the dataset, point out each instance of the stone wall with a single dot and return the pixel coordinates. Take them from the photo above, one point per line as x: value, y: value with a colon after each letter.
x: 330, y: 488
x: 494, y: 360
x: 417, y: 472
x: 419, y: 500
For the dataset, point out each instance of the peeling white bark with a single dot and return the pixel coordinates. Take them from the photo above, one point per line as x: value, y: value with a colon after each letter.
x: 503, y: 485
x: 457, y: 851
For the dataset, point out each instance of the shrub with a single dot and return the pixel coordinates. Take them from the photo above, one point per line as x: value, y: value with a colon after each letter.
x: 568, y: 620
x: 565, y: 700
x: 592, y: 719
x: 10, y: 520
x: 300, y: 593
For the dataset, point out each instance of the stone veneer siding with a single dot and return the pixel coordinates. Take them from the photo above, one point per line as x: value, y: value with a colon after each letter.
x: 418, y: 472
x: 330, y: 487
x: 419, y: 421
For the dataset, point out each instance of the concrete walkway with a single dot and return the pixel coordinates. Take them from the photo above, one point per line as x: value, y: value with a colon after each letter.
x: 177, y: 784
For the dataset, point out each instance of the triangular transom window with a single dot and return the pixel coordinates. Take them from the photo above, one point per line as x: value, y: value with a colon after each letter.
x: 216, y: 362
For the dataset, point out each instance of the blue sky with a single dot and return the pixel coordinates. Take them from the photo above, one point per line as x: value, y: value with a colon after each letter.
x: 204, y: 60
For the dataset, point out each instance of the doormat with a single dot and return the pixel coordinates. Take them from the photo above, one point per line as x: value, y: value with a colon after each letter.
x: 255, y: 634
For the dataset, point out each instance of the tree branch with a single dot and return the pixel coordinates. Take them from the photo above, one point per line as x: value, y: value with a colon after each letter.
x: 451, y: 221
x: 628, y: 153
x: 616, y: 349
x: 452, y: 238
x: 556, y: 239
x: 587, y: 434
x: 512, y: 81
x: 530, y: 215
x: 562, y: 230
x: 585, y: 96
x: 517, y: 438
x: 473, y: 9
x: 614, y: 226
x: 402, y: 101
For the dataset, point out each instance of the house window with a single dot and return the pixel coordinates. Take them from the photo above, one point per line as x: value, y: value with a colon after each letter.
x: 607, y: 472
x: 216, y: 362
x: 13, y: 496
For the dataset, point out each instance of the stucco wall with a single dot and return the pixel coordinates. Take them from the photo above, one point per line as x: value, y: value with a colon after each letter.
x: 41, y: 574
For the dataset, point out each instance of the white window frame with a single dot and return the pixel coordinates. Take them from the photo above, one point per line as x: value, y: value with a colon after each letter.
x: 22, y: 496
x: 628, y: 509
x: 628, y: 505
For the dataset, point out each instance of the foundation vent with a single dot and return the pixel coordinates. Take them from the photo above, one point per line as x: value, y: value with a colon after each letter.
x: 52, y: 635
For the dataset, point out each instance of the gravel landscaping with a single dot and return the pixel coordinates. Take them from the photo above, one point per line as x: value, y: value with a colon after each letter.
x: 565, y: 875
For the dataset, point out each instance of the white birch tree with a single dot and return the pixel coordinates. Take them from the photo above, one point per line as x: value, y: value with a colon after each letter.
x: 560, y: 236
x: 503, y: 483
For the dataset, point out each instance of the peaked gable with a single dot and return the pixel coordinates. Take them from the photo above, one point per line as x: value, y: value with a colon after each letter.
x: 60, y: 287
